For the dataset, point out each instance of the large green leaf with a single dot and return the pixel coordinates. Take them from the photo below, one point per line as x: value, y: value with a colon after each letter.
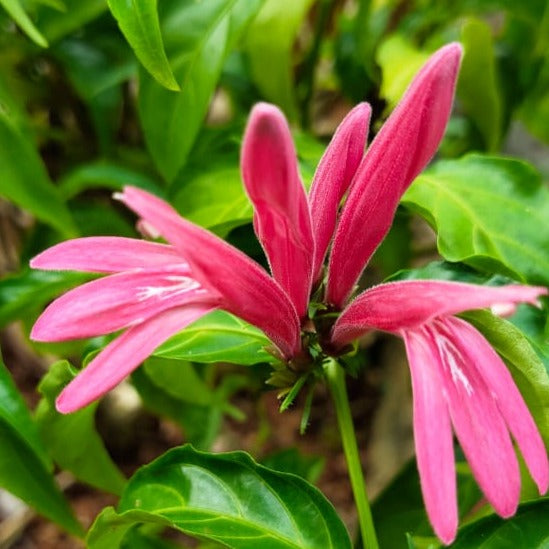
x: 197, y: 36
x: 226, y: 498
x: 85, y: 456
x: 477, y: 85
x: 218, y: 337
x: 138, y: 20
x: 14, y: 8
x: 25, y: 470
x: 270, y: 47
x: 527, y: 529
x: 488, y: 212
x: 23, y: 177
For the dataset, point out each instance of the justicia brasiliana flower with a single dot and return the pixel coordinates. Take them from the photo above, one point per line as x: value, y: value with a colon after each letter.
x: 153, y: 291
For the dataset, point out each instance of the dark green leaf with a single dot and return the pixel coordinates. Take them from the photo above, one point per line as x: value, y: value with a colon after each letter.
x: 270, y: 47
x: 489, y: 212
x: 14, y: 8
x: 291, y: 460
x: 25, y: 470
x: 139, y: 23
x: 226, y: 498
x: 197, y: 36
x: 527, y: 529
x: 218, y: 337
x: 85, y: 455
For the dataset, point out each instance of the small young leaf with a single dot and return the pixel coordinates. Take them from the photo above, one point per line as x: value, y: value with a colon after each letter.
x: 139, y: 23
x: 226, y: 498
x: 14, y: 8
x: 85, y: 455
x: 489, y: 212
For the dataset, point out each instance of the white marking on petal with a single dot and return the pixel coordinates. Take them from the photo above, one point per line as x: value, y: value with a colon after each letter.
x: 182, y: 284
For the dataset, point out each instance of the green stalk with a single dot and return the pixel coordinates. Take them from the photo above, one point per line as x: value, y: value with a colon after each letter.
x: 336, y: 381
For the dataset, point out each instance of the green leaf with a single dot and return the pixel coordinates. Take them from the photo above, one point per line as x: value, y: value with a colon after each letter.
x: 218, y: 337
x: 528, y: 528
x: 399, y: 62
x: 270, y: 47
x: 527, y: 369
x: 489, y: 212
x: 25, y: 470
x: 16, y: 11
x: 477, y: 86
x: 21, y: 295
x: 23, y: 177
x: 198, y: 36
x: 138, y: 20
x: 226, y: 498
x: 85, y: 455
x: 291, y: 460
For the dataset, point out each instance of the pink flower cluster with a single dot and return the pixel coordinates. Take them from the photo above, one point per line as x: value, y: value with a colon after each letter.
x: 153, y: 291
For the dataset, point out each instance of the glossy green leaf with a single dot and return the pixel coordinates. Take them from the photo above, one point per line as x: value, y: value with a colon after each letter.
x: 291, y: 460
x: 525, y: 366
x: 25, y: 470
x: 527, y: 529
x: 138, y: 20
x: 488, y: 212
x: 477, y: 86
x: 85, y: 455
x: 197, y: 37
x: 23, y: 177
x: 23, y: 294
x: 226, y: 498
x: 534, y: 324
x: 218, y: 337
x: 399, y: 62
x: 270, y: 49
x: 15, y: 9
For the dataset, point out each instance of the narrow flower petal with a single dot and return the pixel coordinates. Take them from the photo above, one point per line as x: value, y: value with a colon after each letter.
x: 106, y: 254
x: 123, y: 355
x: 403, y: 147
x: 333, y: 177
x: 478, y: 423
x: 247, y: 290
x: 281, y: 212
x: 433, y: 437
x: 477, y: 350
x: 409, y: 303
x: 115, y: 302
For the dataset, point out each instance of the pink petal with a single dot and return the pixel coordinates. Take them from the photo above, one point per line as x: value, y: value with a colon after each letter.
x: 333, y: 177
x: 477, y: 420
x: 247, y: 290
x: 281, y: 220
x: 123, y: 355
x: 477, y: 350
x: 115, y: 302
x: 106, y: 254
x: 400, y: 151
x: 410, y: 303
x: 433, y: 437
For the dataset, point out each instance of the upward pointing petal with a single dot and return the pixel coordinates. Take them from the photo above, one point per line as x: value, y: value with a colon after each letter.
x: 247, y: 290
x: 400, y: 151
x: 410, y: 303
x: 282, y: 220
x: 333, y: 177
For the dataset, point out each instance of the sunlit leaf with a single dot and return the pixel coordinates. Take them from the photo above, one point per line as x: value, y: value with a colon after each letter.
x: 15, y: 9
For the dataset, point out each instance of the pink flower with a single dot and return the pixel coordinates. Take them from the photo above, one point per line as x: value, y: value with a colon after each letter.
x: 153, y: 291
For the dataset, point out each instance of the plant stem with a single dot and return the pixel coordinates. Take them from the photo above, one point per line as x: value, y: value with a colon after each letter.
x: 336, y: 381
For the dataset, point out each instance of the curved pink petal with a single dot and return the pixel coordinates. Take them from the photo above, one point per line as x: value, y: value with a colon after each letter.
x: 410, y: 303
x: 247, y: 290
x: 477, y: 350
x: 281, y: 212
x: 478, y: 423
x: 433, y: 437
x: 106, y: 254
x: 123, y: 355
x: 400, y: 151
x: 333, y: 177
x: 115, y: 302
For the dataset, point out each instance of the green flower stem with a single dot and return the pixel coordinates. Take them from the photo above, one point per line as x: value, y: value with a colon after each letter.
x: 336, y: 381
